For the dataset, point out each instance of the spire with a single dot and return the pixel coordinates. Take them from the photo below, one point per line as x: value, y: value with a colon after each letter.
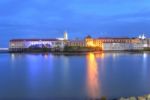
x: 143, y: 37
x: 65, y: 35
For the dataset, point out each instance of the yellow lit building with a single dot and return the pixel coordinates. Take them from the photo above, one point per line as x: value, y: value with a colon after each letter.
x: 78, y: 43
x: 90, y: 42
x: 114, y: 43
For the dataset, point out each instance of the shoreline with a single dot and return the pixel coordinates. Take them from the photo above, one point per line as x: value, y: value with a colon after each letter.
x: 80, y: 52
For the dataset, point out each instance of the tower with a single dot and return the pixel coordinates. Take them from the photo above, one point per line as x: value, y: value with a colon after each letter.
x: 143, y: 37
x: 65, y: 36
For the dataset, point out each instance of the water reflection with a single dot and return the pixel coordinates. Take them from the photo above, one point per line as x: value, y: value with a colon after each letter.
x: 92, y: 76
x: 45, y: 55
x: 48, y: 75
x: 99, y: 55
x: 144, y: 64
x: 12, y: 57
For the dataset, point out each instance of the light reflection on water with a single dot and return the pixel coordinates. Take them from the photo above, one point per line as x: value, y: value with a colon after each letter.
x: 91, y: 75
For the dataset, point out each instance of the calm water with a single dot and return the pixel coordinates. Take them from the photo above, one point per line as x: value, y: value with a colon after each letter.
x: 48, y: 76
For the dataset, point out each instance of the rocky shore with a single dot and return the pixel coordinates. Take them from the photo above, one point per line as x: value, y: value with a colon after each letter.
x: 145, y: 97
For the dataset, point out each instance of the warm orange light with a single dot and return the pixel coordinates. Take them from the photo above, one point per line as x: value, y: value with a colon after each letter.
x: 92, y: 76
x: 100, y: 55
x: 90, y: 43
x: 102, y: 46
x: 91, y: 57
x: 97, y: 44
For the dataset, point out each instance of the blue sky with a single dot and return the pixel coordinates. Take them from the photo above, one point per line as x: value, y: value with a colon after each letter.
x: 50, y: 18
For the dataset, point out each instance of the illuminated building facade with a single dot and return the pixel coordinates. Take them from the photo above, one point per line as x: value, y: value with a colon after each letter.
x: 21, y: 44
x: 50, y: 44
x: 148, y: 41
x: 104, y: 44
x: 90, y: 42
x: 79, y: 43
x: 114, y: 43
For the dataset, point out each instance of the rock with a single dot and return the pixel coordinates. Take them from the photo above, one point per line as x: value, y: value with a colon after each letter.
x: 122, y: 98
x: 148, y: 97
x: 132, y: 98
x: 141, y: 98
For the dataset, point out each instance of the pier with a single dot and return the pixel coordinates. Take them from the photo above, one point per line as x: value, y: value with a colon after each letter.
x: 4, y: 50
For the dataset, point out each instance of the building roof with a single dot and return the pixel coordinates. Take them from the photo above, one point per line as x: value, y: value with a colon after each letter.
x: 115, y: 38
x: 88, y: 36
x: 13, y: 40
x: 75, y: 40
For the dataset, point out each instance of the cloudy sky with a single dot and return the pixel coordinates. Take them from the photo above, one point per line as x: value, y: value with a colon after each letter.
x: 50, y: 18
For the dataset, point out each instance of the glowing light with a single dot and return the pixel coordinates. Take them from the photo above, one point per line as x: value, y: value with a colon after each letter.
x: 145, y: 45
x: 142, y: 36
x: 100, y: 55
x: 12, y: 44
x: 102, y: 46
x: 95, y: 43
x: 65, y: 36
x: 90, y: 43
x: 92, y: 76
x: 145, y: 55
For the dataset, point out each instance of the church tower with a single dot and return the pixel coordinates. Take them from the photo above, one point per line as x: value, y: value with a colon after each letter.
x: 65, y: 36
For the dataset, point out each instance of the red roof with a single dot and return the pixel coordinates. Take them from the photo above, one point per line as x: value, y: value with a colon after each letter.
x: 13, y: 40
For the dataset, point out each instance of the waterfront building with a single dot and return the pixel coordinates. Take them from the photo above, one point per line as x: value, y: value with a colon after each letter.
x: 108, y: 43
x: 142, y: 37
x: 90, y: 42
x: 103, y: 43
x: 24, y: 44
x: 144, y: 41
x: 116, y: 43
x: 79, y: 43
x: 148, y: 41
x: 21, y: 44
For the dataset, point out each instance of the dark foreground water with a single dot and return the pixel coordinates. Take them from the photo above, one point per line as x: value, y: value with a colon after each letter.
x: 48, y: 76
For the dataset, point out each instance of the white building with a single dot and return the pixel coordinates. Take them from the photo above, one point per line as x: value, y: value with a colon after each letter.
x: 36, y: 43
x: 117, y: 46
x: 21, y: 44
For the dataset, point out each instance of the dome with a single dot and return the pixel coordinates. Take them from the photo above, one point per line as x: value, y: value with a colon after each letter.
x: 88, y: 36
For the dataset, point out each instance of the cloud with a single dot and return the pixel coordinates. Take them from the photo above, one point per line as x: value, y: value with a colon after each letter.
x: 79, y: 17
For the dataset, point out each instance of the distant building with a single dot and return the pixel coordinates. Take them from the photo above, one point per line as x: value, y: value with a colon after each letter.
x: 114, y: 43
x: 108, y: 43
x: 65, y: 36
x: 103, y: 43
x: 144, y: 41
x: 90, y: 42
x: 79, y: 43
x: 20, y: 44
x: 148, y: 42
x: 142, y: 36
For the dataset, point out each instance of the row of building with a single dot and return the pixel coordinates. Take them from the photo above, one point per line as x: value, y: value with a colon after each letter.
x: 104, y: 44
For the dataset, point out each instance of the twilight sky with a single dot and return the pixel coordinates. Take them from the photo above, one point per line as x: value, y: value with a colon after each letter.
x: 50, y: 18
